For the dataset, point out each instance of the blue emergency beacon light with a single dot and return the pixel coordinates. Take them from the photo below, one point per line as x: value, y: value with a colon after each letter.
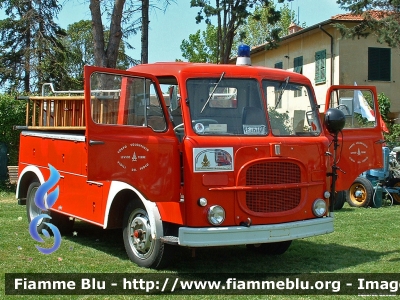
x: 243, y: 55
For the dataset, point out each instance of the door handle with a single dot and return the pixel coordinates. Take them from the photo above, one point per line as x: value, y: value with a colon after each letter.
x: 92, y: 143
x: 380, y: 142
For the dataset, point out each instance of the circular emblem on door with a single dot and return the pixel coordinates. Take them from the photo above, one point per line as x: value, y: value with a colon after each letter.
x: 133, y: 157
x: 358, y: 152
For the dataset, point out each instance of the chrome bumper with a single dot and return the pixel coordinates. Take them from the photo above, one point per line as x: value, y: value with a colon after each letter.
x: 239, y: 235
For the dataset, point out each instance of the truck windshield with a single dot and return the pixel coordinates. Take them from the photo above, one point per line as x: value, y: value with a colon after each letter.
x: 291, y: 109
x: 226, y: 106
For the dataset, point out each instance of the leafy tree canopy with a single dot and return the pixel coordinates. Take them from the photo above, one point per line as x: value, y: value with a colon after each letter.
x: 201, y: 46
x: 381, y: 18
x: 30, y: 44
x: 230, y: 15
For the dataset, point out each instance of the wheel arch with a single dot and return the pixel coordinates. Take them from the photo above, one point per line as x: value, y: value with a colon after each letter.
x: 28, y: 175
x: 119, y: 196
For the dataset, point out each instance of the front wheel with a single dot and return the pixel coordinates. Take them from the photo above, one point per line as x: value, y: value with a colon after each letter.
x: 142, y: 247
x: 360, y: 193
x: 339, y: 200
x: 277, y: 248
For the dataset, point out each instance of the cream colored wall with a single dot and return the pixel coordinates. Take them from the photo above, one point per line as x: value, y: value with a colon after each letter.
x: 350, y: 61
x: 354, y: 68
x: 304, y: 45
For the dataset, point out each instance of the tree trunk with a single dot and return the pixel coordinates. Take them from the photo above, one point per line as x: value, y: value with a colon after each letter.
x: 115, y: 34
x: 106, y: 57
x: 98, y: 34
x: 145, y: 32
x: 28, y: 38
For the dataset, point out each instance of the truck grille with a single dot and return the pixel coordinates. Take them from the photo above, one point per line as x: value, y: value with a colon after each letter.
x: 273, y: 200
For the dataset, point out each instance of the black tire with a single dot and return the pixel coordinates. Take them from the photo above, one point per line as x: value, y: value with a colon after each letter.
x: 32, y: 211
x: 360, y: 193
x: 339, y: 200
x: 277, y: 248
x: 395, y: 182
x: 62, y: 222
x: 141, y: 248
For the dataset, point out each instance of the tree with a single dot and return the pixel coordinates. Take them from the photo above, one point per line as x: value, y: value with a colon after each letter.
x: 145, y: 32
x: 145, y: 28
x: 380, y: 17
x: 122, y: 24
x: 258, y: 30
x: 106, y: 56
x: 201, y: 46
x: 79, y: 42
x: 12, y: 113
x: 230, y: 15
x: 30, y: 44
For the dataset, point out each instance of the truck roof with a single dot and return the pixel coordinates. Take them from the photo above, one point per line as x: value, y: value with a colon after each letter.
x: 187, y: 70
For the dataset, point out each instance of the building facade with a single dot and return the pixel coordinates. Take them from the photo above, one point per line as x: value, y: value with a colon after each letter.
x: 320, y: 53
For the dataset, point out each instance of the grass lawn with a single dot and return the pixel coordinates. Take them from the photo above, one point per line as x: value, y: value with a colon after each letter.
x: 364, y: 241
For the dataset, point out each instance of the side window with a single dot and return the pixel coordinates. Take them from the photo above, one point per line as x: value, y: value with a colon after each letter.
x: 357, y: 106
x: 123, y: 100
x: 320, y: 66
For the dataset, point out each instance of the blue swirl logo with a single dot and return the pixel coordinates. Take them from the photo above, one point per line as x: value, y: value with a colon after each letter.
x: 44, y: 203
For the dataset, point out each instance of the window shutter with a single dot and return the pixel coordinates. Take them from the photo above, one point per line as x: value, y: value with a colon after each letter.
x: 298, y: 64
x: 278, y: 65
x: 320, y: 66
x: 379, y: 64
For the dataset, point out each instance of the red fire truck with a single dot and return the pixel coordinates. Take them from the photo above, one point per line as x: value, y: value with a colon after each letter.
x: 196, y: 155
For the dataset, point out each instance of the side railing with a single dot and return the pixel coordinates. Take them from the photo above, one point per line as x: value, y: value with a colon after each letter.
x: 65, y: 110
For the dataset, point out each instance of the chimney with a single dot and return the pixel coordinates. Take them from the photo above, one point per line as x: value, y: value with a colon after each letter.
x: 294, y: 28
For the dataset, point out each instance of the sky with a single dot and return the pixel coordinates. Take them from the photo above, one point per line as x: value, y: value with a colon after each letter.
x: 168, y: 29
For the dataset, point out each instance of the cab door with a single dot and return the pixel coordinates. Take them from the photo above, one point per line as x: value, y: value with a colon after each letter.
x: 128, y: 136
x: 360, y: 142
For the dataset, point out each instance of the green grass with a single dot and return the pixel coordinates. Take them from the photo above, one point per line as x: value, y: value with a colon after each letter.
x: 364, y: 241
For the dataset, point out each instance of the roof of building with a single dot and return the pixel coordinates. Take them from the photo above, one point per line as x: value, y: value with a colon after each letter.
x: 375, y: 14
x: 349, y: 17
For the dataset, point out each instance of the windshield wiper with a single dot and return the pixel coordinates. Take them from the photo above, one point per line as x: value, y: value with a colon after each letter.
x: 212, y: 93
x: 282, y: 90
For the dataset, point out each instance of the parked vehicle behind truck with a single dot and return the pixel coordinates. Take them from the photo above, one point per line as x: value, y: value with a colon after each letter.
x: 369, y: 188
x: 195, y: 155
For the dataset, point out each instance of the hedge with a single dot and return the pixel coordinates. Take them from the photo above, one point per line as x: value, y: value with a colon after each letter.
x: 12, y: 112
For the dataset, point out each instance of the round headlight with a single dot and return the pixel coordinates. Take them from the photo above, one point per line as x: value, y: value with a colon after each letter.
x: 216, y: 215
x: 319, y: 207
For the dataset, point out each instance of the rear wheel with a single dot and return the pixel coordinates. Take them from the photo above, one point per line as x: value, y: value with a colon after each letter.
x: 360, y: 193
x: 32, y: 211
x: 140, y: 245
x: 62, y: 222
x: 277, y: 248
x: 395, y: 182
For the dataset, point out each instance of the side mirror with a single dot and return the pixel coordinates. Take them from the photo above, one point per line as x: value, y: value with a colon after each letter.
x: 334, y: 120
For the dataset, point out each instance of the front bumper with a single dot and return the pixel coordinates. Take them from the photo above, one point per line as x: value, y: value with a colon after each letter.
x: 239, y: 235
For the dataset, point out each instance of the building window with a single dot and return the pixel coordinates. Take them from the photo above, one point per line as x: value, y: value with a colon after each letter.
x: 298, y: 64
x: 279, y: 65
x: 379, y: 61
x: 320, y: 66
x: 298, y: 68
